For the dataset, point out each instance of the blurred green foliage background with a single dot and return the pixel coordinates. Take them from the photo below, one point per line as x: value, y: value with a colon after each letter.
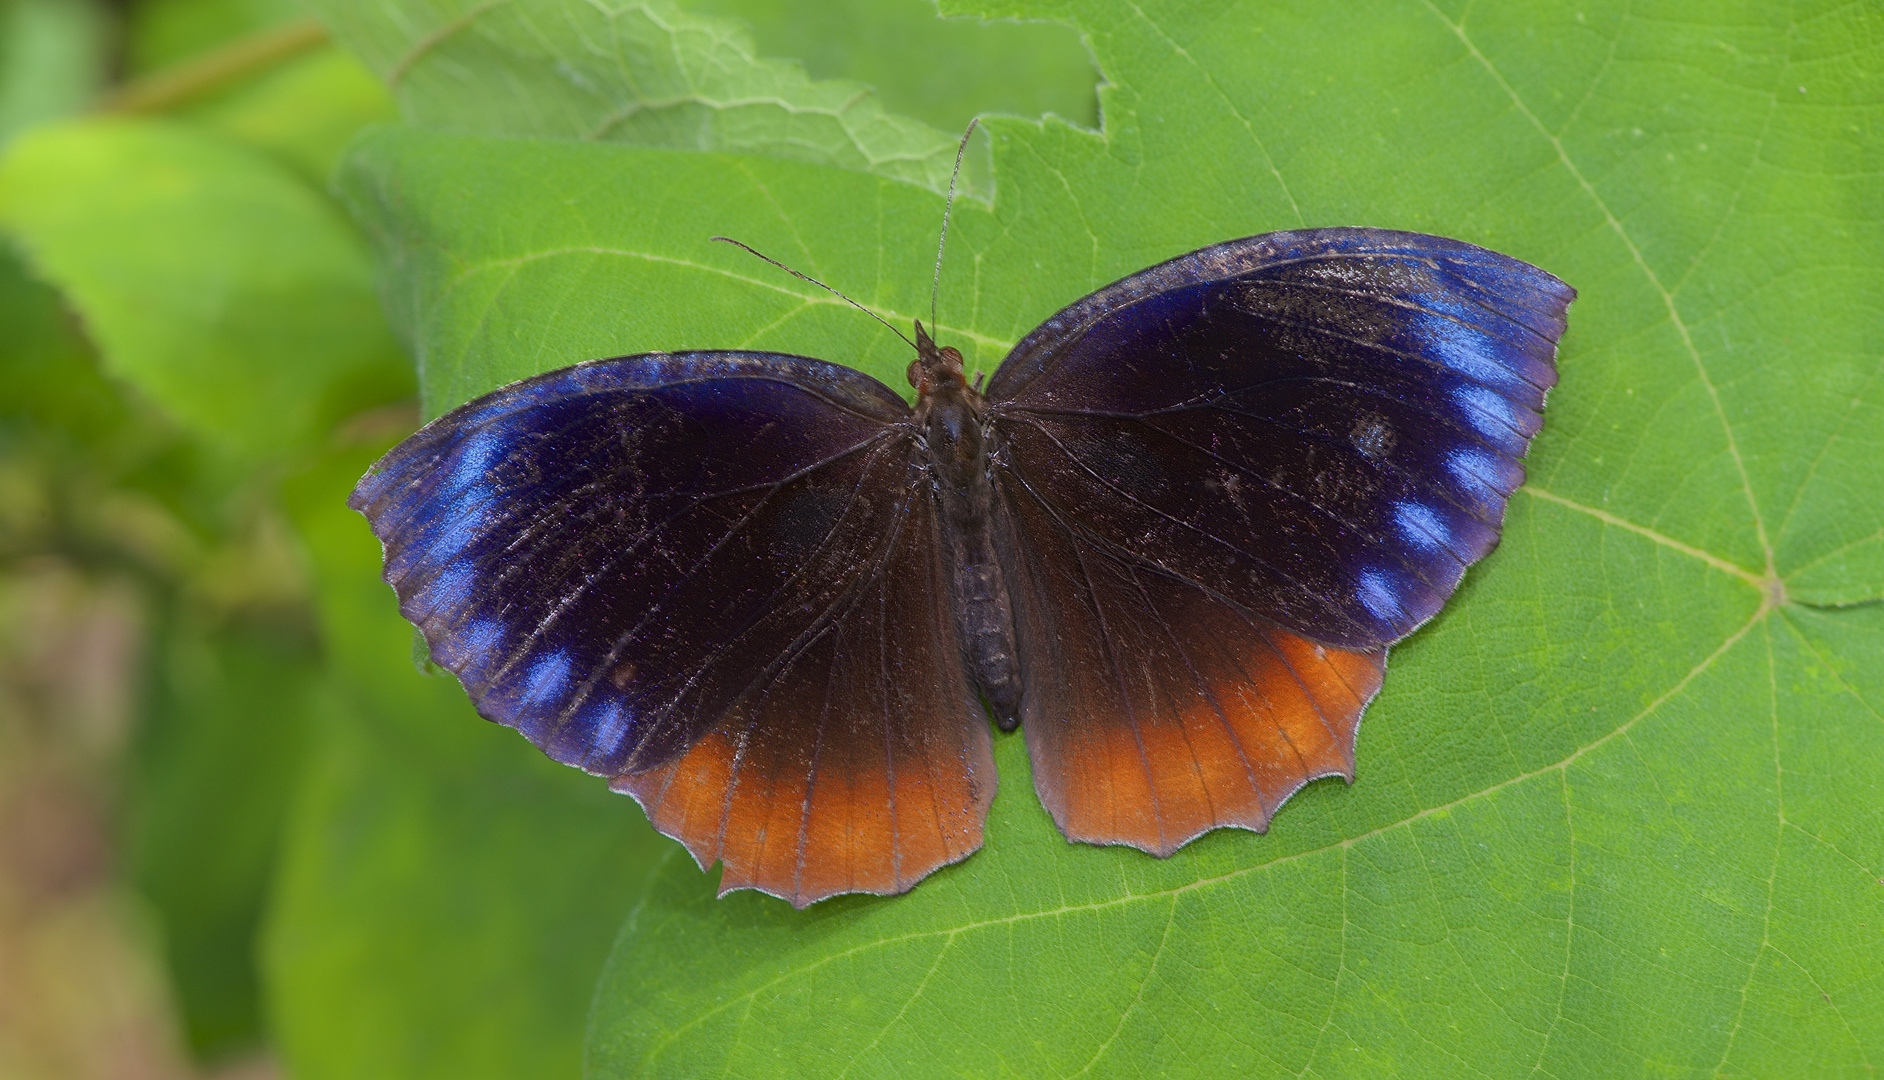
x: 200, y: 673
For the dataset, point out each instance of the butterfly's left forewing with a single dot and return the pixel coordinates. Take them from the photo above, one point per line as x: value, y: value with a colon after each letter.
x: 1229, y: 482
x: 714, y: 578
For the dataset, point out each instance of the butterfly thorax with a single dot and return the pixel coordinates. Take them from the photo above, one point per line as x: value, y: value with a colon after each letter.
x: 951, y: 418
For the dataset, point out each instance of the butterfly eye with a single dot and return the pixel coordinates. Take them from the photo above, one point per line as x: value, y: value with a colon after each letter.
x: 914, y: 374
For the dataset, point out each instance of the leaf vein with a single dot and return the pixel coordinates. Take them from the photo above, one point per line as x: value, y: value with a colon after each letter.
x: 1668, y: 301
x: 1723, y: 565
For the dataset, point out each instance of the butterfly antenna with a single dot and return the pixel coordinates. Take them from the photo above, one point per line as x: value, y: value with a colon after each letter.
x: 935, y: 283
x: 807, y: 277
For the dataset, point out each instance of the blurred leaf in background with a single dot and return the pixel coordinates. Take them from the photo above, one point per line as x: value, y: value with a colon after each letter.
x: 656, y: 74
x: 943, y: 72
x: 166, y: 36
x: 213, y: 277
x: 644, y: 73
x: 224, y: 734
x: 54, y: 57
x: 231, y: 304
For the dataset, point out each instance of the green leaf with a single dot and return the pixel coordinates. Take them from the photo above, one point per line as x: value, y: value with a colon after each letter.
x: 470, y: 298
x: 219, y: 747
x: 304, y: 111
x: 52, y: 383
x: 166, y: 32
x: 645, y: 73
x: 222, y: 285
x: 1618, y: 809
x: 940, y: 71
x: 447, y: 894
x: 52, y: 60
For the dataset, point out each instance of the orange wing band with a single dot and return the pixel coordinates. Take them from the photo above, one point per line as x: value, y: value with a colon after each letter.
x: 1221, y: 739
x: 803, y: 797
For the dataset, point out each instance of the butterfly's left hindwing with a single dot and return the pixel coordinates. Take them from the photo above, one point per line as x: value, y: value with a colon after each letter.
x: 1155, y: 710
x: 664, y: 563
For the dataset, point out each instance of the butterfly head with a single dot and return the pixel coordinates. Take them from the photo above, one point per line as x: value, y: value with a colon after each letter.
x: 935, y: 369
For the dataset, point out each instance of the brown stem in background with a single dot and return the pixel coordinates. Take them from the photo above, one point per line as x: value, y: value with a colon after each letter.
x: 215, y: 69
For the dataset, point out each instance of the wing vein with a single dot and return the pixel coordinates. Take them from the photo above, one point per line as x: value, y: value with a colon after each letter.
x: 522, y: 648
x: 1251, y: 556
x: 1208, y: 694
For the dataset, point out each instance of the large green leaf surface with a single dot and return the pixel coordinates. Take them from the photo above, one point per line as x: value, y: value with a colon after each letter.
x: 636, y: 71
x: 942, y: 71
x: 1620, y: 809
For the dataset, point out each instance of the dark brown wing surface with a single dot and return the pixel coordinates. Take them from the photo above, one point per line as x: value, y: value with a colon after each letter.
x: 1230, y: 482
x: 863, y: 767
x: 1154, y: 709
x: 678, y: 571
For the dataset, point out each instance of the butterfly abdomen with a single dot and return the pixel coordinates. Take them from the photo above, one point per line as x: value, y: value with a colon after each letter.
x: 984, y: 619
x: 984, y: 624
x: 956, y: 437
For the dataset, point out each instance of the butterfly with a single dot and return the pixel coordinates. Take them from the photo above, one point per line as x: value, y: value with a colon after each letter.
x: 1171, y: 541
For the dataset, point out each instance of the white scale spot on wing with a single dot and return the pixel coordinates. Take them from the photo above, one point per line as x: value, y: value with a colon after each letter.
x: 1419, y: 526
x: 1375, y: 591
x: 547, y: 679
